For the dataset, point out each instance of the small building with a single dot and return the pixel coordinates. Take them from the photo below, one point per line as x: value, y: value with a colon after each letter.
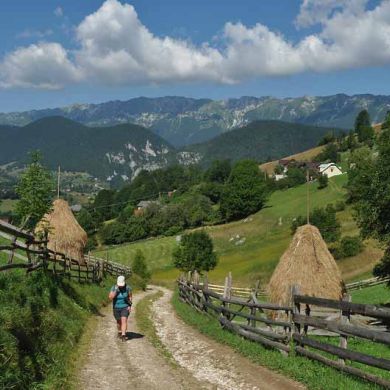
x: 330, y: 170
x: 143, y: 205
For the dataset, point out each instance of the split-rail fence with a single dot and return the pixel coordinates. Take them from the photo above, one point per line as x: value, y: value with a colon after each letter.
x: 295, y: 328
x: 27, y: 251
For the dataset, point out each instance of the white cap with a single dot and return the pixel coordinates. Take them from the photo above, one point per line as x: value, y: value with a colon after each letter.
x: 121, y: 281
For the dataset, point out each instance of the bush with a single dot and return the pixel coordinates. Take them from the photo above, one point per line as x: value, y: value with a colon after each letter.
x: 325, y: 220
x: 140, y: 269
x: 322, y: 181
x: 339, y: 206
x: 348, y: 246
x: 195, y: 253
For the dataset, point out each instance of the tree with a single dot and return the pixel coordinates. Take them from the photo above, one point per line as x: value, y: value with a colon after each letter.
x: 330, y: 154
x: 245, y: 191
x: 327, y: 138
x: 386, y: 122
x: 360, y: 173
x: 322, y: 181
x: 295, y: 176
x: 86, y: 221
x: 219, y: 171
x: 363, y: 126
x: 373, y: 202
x: 140, y: 269
x: 195, y: 253
x: 35, y: 190
x: 103, y: 205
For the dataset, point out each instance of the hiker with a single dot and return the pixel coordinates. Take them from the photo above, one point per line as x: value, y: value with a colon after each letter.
x: 121, y: 297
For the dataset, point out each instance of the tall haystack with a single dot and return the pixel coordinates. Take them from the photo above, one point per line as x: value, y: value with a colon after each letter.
x: 65, y: 234
x: 307, y: 263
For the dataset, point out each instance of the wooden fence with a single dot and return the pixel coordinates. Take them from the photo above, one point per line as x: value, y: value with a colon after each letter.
x: 316, y: 328
x: 34, y: 253
x: 245, y: 292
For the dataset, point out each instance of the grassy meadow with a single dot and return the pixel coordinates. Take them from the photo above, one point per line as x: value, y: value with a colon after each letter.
x: 250, y: 248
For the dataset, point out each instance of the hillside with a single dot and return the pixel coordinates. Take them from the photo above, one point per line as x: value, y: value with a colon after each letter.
x: 112, y: 153
x: 260, y: 140
x: 251, y: 248
x: 182, y: 121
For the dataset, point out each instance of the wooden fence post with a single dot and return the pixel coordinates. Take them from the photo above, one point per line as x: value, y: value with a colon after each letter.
x: 205, y: 288
x: 344, y: 320
x: 253, y: 310
x: 296, y: 308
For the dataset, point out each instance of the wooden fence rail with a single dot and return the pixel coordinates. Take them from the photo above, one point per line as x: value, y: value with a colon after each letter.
x: 297, y: 327
x: 35, y: 254
x: 246, y: 291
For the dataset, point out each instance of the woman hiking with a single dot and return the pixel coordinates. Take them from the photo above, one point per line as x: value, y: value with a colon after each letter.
x: 121, y: 297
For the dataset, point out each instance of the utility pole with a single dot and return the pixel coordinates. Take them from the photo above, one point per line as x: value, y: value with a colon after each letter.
x: 58, y: 182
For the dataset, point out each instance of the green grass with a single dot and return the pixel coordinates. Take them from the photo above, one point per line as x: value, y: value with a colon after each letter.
x: 7, y: 205
x: 143, y: 316
x: 267, y: 235
x: 375, y: 295
x: 41, y: 322
x: 313, y: 374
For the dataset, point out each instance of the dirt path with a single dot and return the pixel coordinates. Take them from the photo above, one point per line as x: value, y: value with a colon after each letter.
x: 202, y: 363
x: 115, y: 365
x: 209, y: 361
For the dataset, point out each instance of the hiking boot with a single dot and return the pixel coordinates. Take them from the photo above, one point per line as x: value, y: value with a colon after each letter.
x: 123, y: 337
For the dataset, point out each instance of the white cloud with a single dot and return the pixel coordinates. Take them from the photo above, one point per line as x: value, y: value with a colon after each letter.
x: 59, y: 11
x: 44, y: 65
x: 319, y: 11
x: 116, y: 48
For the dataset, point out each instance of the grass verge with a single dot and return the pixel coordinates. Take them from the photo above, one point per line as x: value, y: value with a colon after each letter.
x: 41, y: 322
x: 143, y: 316
x: 311, y: 373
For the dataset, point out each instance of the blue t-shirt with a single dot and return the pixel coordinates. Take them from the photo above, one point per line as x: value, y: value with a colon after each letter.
x: 121, y: 300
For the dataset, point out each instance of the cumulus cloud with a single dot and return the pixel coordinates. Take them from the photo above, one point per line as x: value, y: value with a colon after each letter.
x: 43, y: 65
x: 319, y: 11
x: 116, y: 48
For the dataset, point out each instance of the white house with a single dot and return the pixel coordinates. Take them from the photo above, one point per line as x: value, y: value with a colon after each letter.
x: 330, y: 169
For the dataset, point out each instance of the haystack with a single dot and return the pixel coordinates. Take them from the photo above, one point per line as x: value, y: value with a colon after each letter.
x: 65, y: 234
x: 307, y: 263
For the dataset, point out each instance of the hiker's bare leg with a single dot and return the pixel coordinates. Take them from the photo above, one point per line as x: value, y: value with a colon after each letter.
x: 119, y: 324
x: 124, y: 325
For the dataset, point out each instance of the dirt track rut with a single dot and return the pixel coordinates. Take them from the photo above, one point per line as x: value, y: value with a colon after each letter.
x: 202, y: 363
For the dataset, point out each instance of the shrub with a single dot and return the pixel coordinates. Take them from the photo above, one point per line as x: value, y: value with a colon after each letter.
x: 339, y: 206
x: 195, y: 252
x: 140, y: 269
x: 325, y: 220
x: 322, y: 181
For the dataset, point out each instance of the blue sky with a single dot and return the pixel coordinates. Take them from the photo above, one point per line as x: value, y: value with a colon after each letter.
x: 54, y: 53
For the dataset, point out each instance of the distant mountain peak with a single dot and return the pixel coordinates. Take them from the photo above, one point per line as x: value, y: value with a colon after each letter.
x: 182, y: 121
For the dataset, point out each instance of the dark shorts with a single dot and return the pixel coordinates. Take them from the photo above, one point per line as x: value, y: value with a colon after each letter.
x: 118, y: 313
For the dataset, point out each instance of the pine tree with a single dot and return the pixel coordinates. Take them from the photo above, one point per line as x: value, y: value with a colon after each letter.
x: 363, y: 127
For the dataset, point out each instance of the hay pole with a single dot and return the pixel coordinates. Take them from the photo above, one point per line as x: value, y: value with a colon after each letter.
x: 307, y: 198
x: 58, y: 181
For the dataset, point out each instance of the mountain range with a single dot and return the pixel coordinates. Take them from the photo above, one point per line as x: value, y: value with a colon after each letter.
x: 184, y: 121
x: 118, y: 153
